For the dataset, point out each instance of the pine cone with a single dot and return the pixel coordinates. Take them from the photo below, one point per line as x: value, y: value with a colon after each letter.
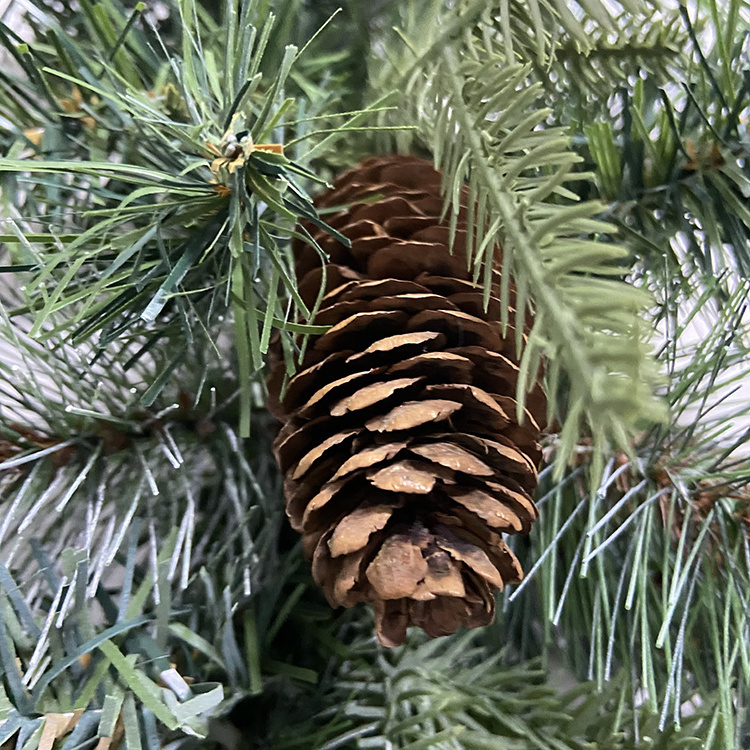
x: 402, y: 455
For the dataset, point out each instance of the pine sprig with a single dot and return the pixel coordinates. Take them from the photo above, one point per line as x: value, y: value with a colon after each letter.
x: 675, y: 166
x: 454, y: 695
x: 580, y: 83
x: 482, y: 121
x: 585, y: 325
x: 109, y: 542
x: 649, y: 573
x: 195, y: 220
x: 142, y: 576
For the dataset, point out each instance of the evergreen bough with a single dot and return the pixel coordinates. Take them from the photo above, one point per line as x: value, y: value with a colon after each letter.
x: 154, y: 169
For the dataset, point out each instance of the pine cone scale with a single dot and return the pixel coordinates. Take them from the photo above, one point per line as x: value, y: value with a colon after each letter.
x: 413, y: 414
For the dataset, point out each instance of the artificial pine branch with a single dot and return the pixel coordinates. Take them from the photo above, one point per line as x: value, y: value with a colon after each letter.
x: 170, y: 567
x: 482, y: 120
x: 579, y: 83
x: 638, y: 565
x: 674, y: 167
x: 649, y: 573
x: 193, y: 220
x: 458, y: 695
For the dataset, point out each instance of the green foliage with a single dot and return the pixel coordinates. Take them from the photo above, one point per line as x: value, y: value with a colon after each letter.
x: 142, y: 571
x: 149, y: 265
x: 456, y: 694
x: 481, y: 119
x: 675, y: 166
x: 582, y: 86
x: 89, y: 626
x: 191, y: 220
x: 650, y: 573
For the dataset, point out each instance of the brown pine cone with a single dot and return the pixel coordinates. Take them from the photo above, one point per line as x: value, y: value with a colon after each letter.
x: 403, y: 459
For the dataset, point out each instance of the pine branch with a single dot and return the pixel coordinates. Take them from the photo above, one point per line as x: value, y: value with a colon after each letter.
x: 675, y: 165
x: 144, y: 572
x: 197, y: 216
x: 482, y: 122
x: 121, y: 553
x: 580, y: 83
x: 648, y: 573
x: 452, y: 693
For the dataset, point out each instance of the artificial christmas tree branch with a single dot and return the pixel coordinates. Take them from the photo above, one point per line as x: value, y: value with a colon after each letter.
x: 516, y: 174
x: 661, y: 529
x: 132, y: 253
x: 149, y: 567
